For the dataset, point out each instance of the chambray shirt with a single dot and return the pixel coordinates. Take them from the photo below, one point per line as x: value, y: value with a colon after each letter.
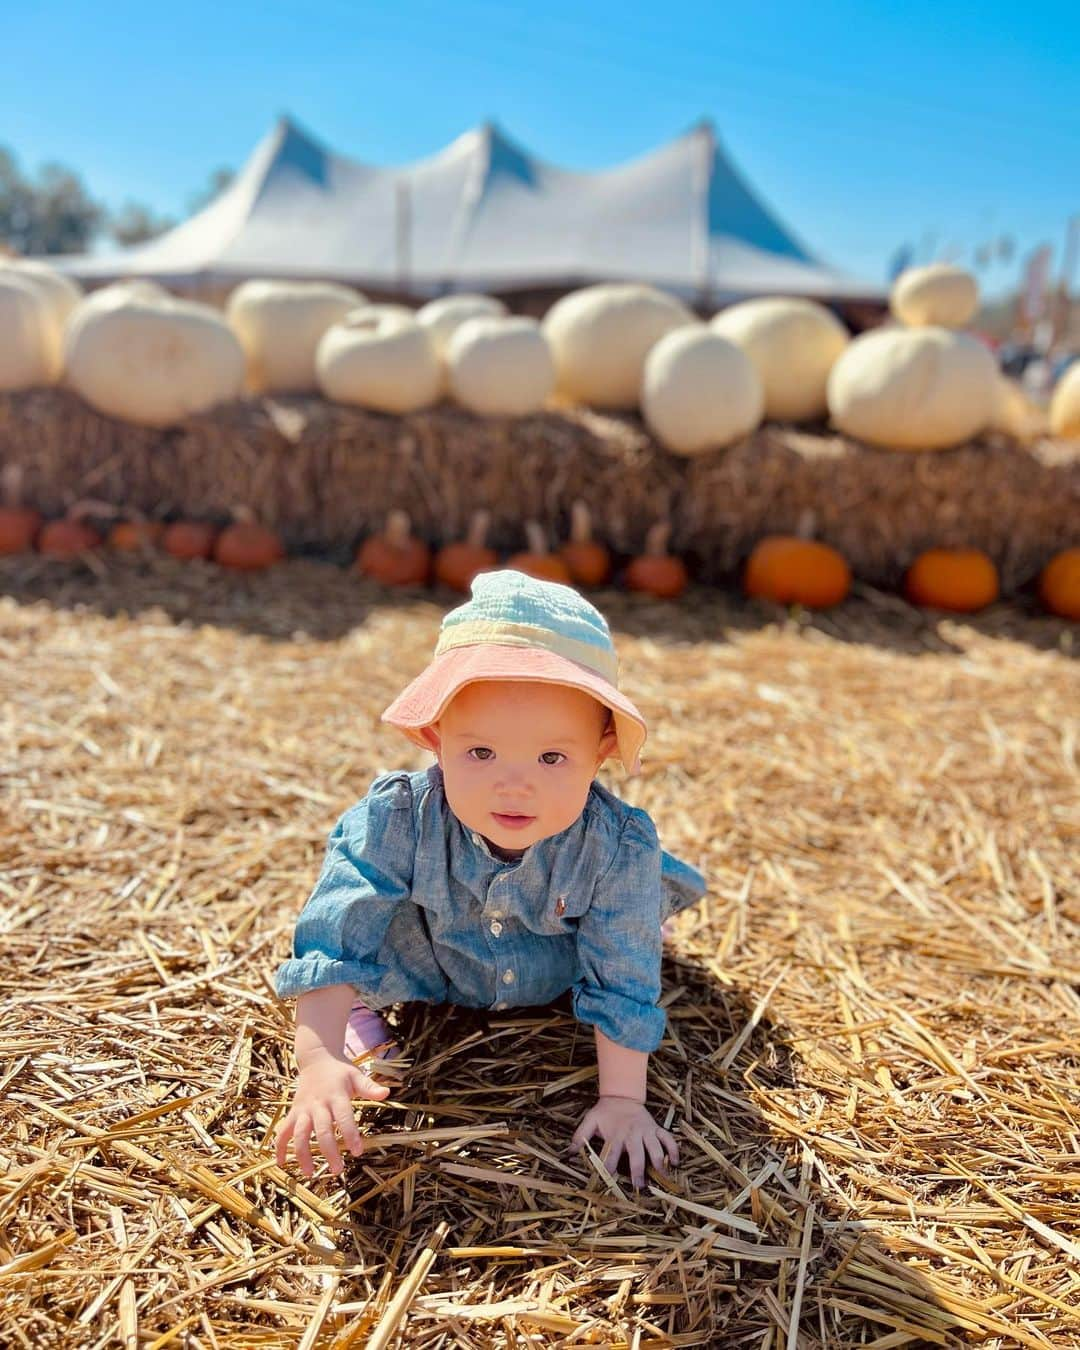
x: 412, y: 905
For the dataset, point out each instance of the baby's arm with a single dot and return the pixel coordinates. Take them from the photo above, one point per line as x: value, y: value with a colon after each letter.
x: 326, y: 1083
x: 366, y: 876
x: 619, y: 950
x: 620, y: 1114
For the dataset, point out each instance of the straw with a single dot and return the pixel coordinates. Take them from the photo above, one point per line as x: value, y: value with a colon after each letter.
x: 326, y: 475
x: 871, y: 1060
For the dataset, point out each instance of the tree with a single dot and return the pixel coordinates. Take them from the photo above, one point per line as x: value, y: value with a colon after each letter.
x: 55, y: 214
x: 52, y: 215
x: 216, y: 184
x: 135, y: 224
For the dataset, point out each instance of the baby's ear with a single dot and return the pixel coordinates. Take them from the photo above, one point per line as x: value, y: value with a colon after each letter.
x: 609, y: 745
x: 433, y: 740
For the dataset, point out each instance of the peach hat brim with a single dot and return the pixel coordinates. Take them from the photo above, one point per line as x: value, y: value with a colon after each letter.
x: 423, y: 702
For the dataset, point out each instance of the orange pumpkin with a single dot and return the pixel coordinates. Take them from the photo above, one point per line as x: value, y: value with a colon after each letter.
x: 1059, y: 584
x: 962, y: 580
x: 247, y: 546
x: 69, y: 537
x: 793, y: 571
x: 135, y: 536
x: 537, y: 560
x: 657, y: 572
x: 589, y: 561
x: 18, y: 524
x: 395, y: 557
x: 457, y: 564
x: 189, y: 539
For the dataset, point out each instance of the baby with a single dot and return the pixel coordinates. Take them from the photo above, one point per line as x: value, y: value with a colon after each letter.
x: 500, y: 877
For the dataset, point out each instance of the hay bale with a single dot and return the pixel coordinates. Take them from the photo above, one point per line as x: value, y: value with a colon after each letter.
x: 324, y: 475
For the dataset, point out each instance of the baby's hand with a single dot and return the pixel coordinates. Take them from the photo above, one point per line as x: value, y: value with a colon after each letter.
x: 625, y: 1124
x: 324, y: 1091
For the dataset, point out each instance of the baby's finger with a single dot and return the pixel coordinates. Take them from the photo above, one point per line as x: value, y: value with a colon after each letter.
x: 324, y: 1133
x: 584, y: 1131
x: 364, y: 1086
x: 284, y: 1134
x: 301, y: 1142
x: 670, y: 1143
x: 655, y: 1147
x: 346, y: 1123
x: 635, y: 1155
x: 613, y: 1151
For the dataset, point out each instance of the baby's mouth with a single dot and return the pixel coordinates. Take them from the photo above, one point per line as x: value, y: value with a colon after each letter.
x: 512, y: 818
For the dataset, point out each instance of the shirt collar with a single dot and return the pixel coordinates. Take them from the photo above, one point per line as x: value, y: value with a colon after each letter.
x: 484, y: 847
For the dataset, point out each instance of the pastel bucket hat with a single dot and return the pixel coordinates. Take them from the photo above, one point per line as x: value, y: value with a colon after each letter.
x: 515, y: 627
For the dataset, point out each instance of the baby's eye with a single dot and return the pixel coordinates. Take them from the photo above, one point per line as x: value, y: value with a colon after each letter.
x: 552, y: 757
x: 481, y: 752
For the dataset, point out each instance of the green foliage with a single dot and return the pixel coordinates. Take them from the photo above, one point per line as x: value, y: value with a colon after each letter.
x: 52, y: 214
x: 55, y: 214
x: 216, y: 184
x: 135, y: 224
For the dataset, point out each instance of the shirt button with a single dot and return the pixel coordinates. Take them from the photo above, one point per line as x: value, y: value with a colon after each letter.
x: 496, y: 928
x: 476, y: 838
x: 508, y: 977
x: 499, y: 1007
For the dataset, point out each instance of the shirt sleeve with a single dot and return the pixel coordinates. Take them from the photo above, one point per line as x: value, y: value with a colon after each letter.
x: 366, y: 874
x: 680, y: 885
x: 619, y: 943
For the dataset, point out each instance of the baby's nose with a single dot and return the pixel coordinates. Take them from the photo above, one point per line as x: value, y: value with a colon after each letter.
x: 516, y: 778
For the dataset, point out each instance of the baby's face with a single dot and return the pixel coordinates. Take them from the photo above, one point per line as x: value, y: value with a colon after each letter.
x: 518, y: 758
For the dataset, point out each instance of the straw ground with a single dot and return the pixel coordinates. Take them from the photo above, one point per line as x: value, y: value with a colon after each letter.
x: 874, y: 1029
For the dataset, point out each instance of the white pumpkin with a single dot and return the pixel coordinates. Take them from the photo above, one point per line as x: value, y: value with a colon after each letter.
x: 113, y: 296
x: 380, y: 361
x: 443, y: 317
x: 500, y: 367
x: 601, y: 335
x: 367, y: 311
x: 938, y: 295
x: 28, y: 355
x: 153, y: 361
x: 279, y: 324
x: 1065, y: 404
x: 60, y: 294
x: 116, y: 292
x: 793, y: 345
x: 914, y: 388
x: 699, y: 391
x: 1016, y: 415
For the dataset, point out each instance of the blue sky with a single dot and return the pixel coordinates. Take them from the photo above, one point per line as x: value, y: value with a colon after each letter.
x: 862, y: 125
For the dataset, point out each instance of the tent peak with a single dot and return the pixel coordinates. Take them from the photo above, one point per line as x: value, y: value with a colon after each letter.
x: 296, y: 150
x: 287, y: 125
x: 506, y: 157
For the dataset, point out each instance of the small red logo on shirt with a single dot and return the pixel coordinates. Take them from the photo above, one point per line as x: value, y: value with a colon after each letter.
x: 560, y: 906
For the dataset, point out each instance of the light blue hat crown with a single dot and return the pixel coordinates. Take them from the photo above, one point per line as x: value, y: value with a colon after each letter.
x: 512, y: 608
x: 516, y: 627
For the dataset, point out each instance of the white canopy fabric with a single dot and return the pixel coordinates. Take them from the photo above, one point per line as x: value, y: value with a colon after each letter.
x: 485, y: 215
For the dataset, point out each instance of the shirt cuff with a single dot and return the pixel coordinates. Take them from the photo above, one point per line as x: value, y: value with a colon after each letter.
x: 638, y: 1026
x: 315, y: 971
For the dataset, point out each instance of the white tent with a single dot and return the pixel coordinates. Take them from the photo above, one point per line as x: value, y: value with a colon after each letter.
x: 483, y: 214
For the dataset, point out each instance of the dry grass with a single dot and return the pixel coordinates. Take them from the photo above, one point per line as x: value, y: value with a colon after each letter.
x: 872, y: 1063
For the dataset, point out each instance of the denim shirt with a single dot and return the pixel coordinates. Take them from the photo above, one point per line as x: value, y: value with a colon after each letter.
x: 412, y: 905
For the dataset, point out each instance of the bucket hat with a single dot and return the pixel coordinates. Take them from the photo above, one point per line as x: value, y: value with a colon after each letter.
x: 517, y: 627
